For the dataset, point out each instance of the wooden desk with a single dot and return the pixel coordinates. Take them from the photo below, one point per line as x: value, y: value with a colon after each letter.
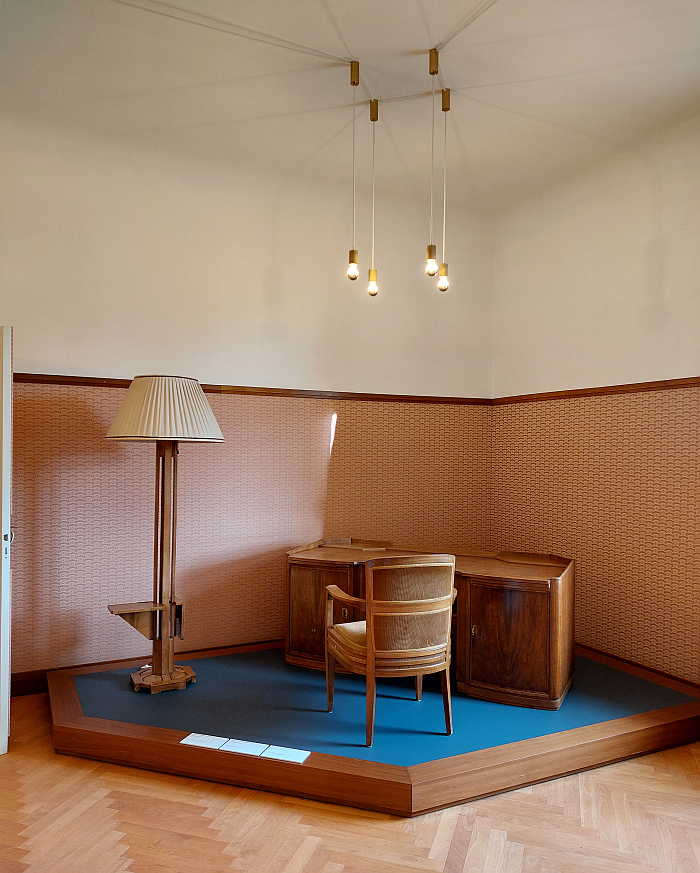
x: 514, y: 617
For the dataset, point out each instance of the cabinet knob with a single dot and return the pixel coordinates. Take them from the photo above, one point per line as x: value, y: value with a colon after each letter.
x: 473, y: 630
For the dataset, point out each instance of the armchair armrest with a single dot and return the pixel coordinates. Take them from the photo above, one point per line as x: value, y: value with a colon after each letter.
x: 338, y: 594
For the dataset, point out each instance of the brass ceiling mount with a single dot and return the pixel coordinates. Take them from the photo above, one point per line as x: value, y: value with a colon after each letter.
x: 434, y: 63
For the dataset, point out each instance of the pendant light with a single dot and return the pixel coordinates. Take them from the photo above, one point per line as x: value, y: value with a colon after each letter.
x: 443, y: 281
x: 353, y: 268
x: 372, y: 288
x: 431, y: 265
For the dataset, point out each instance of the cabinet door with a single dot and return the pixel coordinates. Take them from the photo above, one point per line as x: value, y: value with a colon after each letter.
x: 509, y: 638
x: 307, y: 606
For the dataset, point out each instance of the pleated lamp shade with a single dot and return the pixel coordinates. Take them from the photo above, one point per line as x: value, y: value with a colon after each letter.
x: 165, y: 408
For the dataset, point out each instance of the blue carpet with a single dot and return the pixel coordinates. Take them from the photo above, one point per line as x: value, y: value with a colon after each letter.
x: 256, y: 696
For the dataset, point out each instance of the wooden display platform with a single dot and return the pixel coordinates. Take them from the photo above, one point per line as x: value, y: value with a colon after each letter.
x: 404, y: 791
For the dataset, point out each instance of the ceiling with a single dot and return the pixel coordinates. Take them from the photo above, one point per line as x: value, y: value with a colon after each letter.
x: 540, y: 89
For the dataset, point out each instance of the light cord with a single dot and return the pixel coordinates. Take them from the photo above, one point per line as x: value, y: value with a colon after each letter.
x: 374, y: 128
x: 354, y: 110
x: 432, y: 163
x: 444, y: 192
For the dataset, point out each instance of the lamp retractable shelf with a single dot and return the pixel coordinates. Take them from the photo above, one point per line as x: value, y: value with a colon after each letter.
x: 167, y: 410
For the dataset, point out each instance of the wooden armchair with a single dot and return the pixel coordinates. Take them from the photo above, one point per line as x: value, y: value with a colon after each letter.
x: 408, y: 607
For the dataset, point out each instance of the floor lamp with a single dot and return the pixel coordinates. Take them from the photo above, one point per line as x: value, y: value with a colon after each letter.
x: 165, y: 410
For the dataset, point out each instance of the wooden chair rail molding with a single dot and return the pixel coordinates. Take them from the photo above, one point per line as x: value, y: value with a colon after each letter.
x: 632, y: 388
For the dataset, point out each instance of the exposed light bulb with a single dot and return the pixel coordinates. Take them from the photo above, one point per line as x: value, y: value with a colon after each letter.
x: 431, y: 264
x: 372, y: 288
x: 443, y: 281
x: 353, y: 269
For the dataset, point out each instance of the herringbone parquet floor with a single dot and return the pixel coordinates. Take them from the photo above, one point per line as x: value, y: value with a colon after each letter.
x: 67, y: 815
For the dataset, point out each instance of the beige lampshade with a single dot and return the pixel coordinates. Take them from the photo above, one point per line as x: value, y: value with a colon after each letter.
x: 165, y: 408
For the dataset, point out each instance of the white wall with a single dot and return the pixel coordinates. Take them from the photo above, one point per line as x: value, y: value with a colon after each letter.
x: 118, y: 262
x: 598, y: 281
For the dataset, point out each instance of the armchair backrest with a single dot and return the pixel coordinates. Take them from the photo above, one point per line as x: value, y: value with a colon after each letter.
x: 409, y: 607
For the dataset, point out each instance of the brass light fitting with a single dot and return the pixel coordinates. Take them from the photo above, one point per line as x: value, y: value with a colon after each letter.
x: 353, y: 269
x: 443, y: 281
x: 372, y: 287
x: 431, y: 264
x: 434, y: 62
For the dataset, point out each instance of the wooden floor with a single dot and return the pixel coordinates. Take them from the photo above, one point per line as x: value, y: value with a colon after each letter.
x: 60, y: 814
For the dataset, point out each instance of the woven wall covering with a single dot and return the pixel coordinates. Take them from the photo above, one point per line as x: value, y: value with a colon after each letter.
x: 611, y: 481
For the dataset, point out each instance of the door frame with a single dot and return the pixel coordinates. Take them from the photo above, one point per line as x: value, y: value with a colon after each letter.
x: 5, y: 532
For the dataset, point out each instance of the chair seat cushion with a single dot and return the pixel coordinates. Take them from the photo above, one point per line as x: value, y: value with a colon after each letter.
x: 351, y: 634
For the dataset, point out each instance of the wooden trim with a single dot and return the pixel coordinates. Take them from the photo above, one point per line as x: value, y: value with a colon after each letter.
x: 348, y: 395
x: 387, y: 788
x: 230, y: 650
x: 382, y: 787
x: 659, y: 676
x: 43, y: 379
x: 34, y: 681
x: 503, y: 768
x: 29, y: 682
x: 48, y: 379
x: 632, y: 388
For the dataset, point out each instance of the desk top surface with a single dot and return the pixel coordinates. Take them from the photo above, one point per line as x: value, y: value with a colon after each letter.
x: 518, y: 565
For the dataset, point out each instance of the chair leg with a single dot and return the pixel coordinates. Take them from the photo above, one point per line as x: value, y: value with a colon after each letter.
x: 330, y: 680
x: 419, y: 686
x: 371, y: 702
x: 446, y: 699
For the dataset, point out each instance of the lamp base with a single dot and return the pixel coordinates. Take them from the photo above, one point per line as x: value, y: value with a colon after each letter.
x: 147, y: 680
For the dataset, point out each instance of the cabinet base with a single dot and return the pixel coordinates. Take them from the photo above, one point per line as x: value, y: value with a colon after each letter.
x: 513, y: 698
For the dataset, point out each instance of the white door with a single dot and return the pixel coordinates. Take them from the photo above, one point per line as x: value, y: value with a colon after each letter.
x: 5, y: 535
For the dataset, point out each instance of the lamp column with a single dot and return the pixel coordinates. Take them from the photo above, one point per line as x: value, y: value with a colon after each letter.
x: 164, y: 548
x: 163, y: 675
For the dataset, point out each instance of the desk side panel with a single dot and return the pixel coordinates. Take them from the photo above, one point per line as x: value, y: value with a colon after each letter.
x: 306, y: 612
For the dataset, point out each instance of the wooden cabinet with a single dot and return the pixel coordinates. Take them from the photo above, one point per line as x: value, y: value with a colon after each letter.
x: 306, y: 616
x: 309, y: 569
x: 515, y: 633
